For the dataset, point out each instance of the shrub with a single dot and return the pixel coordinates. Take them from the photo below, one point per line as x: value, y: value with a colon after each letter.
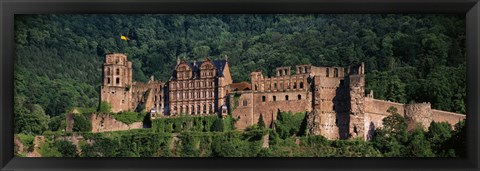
x: 81, y: 124
x: 104, y: 107
x: 129, y: 117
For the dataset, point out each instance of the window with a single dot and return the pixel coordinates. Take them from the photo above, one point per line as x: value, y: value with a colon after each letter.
x: 198, y: 109
x: 245, y: 102
x: 335, y: 72
x: 118, y: 71
x: 275, y: 85
x: 328, y: 72
x: 256, y: 87
x: 108, y: 80
x: 301, y: 84
x: 295, y: 85
x: 286, y: 97
x: 155, y: 98
x: 299, y: 97
x: 118, y: 80
x: 263, y: 98
x: 274, y: 98
x: 204, y: 108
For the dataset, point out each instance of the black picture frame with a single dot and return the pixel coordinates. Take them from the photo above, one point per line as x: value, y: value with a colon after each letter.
x: 8, y: 8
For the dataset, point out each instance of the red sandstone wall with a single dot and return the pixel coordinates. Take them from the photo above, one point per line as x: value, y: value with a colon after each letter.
x: 374, y: 106
x: 451, y: 118
x: 106, y: 122
x: 269, y: 108
x: 243, y: 113
x: 249, y: 115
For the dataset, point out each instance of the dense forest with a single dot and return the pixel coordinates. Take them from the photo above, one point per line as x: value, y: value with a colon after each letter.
x: 408, y: 58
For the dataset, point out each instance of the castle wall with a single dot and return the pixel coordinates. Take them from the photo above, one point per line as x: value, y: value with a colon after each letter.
x: 118, y: 97
x: 106, y: 122
x: 450, y: 117
x: 243, y: 110
x: 269, y: 108
x: 419, y: 113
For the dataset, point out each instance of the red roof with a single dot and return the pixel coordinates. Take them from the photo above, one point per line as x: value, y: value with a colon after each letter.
x: 240, y: 86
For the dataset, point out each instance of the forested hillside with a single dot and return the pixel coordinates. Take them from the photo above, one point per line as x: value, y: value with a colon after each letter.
x: 408, y: 58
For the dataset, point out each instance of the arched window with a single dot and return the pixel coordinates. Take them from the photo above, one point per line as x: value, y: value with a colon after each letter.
x: 335, y: 72
x: 274, y: 98
x: 275, y: 85
x: 301, y: 84
x: 204, y: 108
x: 118, y: 71
x: 256, y: 87
x: 295, y: 85
x: 118, y: 81
x: 299, y: 97
x: 328, y: 72
x: 198, y: 109
x: 286, y: 97
x: 245, y: 102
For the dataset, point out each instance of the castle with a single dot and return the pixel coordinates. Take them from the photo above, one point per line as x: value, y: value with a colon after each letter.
x: 334, y: 98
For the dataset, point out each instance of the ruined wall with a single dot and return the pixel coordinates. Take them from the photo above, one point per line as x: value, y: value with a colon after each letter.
x: 243, y: 111
x: 269, y: 108
x: 106, y: 122
x: 450, y: 117
x: 357, y: 108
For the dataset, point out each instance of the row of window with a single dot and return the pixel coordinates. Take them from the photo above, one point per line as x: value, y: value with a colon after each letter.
x: 335, y: 72
x: 186, y: 95
x: 118, y: 71
x: 186, y: 75
x: 192, y: 84
x: 117, y: 80
x: 192, y: 110
x: 274, y: 98
x: 281, y: 86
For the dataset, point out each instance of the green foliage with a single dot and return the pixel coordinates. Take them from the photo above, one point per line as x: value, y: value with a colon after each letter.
x: 27, y: 141
x: 193, y: 123
x: 261, y: 123
x: 438, y: 135
x: 104, y: 107
x: 47, y: 149
x: 288, y: 124
x: 66, y: 148
x: 81, y: 123
x: 129, y: 117
x: 29, y: 118
x: 57, y: 123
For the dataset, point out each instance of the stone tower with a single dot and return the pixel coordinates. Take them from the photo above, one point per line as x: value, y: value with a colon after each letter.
x: 418, y: 113
x: 117, y: 82
x: 357, y: 101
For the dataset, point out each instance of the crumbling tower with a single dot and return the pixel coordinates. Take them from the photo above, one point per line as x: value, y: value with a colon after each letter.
x: 117, y: 81
x: 357, y: 101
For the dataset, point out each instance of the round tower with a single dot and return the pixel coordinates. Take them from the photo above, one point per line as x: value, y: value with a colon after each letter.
x: 418, y: 113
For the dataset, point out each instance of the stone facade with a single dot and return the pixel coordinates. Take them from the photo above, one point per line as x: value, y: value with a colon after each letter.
x: 334, y: 98
x: 199, y: 88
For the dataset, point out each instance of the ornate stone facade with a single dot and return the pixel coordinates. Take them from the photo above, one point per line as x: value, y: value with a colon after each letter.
x: 334, y: 98
x: 199, y: 88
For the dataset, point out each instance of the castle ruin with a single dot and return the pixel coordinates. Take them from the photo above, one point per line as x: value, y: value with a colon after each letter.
x: 334, y: 98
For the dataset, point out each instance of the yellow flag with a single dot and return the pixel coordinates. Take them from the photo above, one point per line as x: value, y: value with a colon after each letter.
x: 124, y: 37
